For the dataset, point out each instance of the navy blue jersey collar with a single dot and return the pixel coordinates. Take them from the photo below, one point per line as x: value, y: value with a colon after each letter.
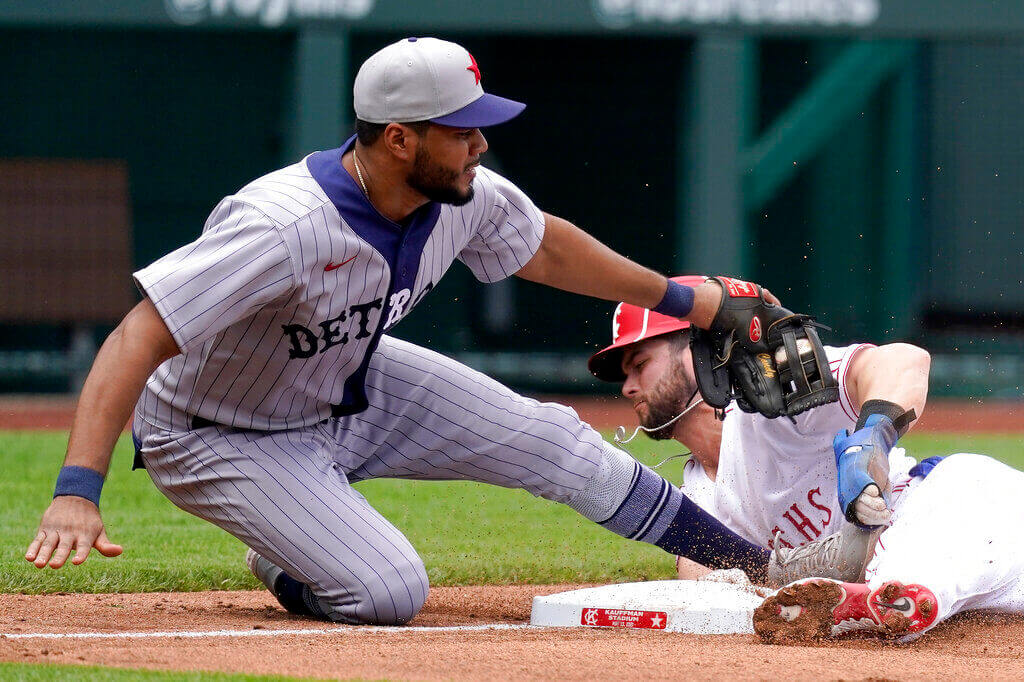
x: 345, y: 193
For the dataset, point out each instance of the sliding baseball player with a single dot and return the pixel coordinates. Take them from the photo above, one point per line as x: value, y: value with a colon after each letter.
x: 949, y: 527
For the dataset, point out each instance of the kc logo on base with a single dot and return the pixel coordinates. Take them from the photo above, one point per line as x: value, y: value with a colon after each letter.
x: 624, y: 618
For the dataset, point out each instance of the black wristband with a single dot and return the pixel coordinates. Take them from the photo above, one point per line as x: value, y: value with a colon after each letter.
x: 79, y: 481
x: 900, y: 418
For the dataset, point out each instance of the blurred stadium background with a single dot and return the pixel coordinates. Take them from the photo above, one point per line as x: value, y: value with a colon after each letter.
x: 863, y: 158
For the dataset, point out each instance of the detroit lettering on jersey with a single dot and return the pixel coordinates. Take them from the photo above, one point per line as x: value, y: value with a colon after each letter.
x: 279, y: 303
x: 777, y: 475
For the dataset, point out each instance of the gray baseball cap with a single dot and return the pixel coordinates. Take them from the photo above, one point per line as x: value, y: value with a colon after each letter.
x: 426, y: 79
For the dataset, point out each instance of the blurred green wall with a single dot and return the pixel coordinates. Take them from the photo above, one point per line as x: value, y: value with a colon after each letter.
x: 194, y: 115
x: 198, y: 113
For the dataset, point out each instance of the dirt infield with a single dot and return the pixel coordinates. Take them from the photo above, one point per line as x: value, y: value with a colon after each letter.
x: 966, y: 648
x: 941, y: 416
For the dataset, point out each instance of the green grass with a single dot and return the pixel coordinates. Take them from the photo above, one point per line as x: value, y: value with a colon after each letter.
x: 1007, y: 448
x: 467, y: 533
x: 29, y: 672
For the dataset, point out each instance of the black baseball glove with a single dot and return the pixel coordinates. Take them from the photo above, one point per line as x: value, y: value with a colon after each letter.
x: 769, y: 359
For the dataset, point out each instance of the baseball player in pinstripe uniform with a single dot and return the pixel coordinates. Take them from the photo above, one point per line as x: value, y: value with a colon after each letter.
x: 265, y: 385
x: 951, y: 539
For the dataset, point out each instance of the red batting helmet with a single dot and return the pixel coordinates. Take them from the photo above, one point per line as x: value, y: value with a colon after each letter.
x: 630, y: 324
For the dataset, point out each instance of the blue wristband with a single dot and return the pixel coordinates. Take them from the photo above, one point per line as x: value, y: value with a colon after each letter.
x: 677, y: 301
x: 80, y: 481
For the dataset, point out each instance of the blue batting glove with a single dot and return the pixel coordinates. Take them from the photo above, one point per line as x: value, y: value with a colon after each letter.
x: 858, y: 456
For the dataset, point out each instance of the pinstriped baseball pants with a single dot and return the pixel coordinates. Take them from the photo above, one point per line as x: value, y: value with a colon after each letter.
x: 288, y: 494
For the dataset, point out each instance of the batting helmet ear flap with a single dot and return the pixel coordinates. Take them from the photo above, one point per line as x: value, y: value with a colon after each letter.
x: 712, y: 374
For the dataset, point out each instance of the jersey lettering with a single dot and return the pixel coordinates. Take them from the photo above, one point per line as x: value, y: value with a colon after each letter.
x: 397, y: 305
x: 332, y: 335
x: 305, y: 341
x: 828, y: 512
x: 803, y: 524
x: 363, y: 310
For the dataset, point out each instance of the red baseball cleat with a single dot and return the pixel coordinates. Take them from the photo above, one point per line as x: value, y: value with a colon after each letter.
x: 818, y: 608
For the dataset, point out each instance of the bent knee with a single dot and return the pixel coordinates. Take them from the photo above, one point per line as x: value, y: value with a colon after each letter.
x: 390, y: 595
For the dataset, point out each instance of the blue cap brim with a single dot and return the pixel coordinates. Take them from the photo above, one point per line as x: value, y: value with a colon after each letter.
x: 487, y: 110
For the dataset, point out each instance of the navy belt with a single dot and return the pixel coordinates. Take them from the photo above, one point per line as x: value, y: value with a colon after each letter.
x: 137, y: 463
x: 198, y: 422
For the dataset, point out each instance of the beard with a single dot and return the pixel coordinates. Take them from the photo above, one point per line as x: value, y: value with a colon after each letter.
x: 666, y: 400
x: 435, y: 182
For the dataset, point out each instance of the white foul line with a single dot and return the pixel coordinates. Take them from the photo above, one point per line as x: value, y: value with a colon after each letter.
x: 349, y: 630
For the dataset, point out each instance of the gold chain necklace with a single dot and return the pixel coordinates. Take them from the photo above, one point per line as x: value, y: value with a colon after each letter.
x: 359, y: 174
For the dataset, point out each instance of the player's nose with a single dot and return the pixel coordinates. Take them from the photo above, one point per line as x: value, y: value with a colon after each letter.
x: 479, y: 142
x: 630, y: 387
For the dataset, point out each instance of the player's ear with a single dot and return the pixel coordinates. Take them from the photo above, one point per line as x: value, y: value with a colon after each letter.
x: 400, y: 141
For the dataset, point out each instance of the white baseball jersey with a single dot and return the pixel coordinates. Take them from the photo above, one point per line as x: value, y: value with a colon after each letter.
x: 955, y: 531
x: 776, y: 475
x: 280, y: 302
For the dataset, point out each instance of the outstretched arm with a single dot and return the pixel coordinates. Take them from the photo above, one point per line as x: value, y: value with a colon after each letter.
x: 572, y: 260
x: 895, y: 372
x: 129, y: 355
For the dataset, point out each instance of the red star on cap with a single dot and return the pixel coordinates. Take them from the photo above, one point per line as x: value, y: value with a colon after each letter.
x: 474, y: 68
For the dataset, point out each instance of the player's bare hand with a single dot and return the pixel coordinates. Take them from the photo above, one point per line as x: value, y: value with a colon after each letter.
x: 707, y: 297
x: 70, y: 524
x: 870, y: 507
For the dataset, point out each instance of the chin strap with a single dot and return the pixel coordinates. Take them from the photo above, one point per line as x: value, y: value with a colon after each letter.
x: 620, y: 432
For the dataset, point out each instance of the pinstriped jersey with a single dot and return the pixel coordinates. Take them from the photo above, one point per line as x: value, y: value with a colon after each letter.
x: 279, y: 303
